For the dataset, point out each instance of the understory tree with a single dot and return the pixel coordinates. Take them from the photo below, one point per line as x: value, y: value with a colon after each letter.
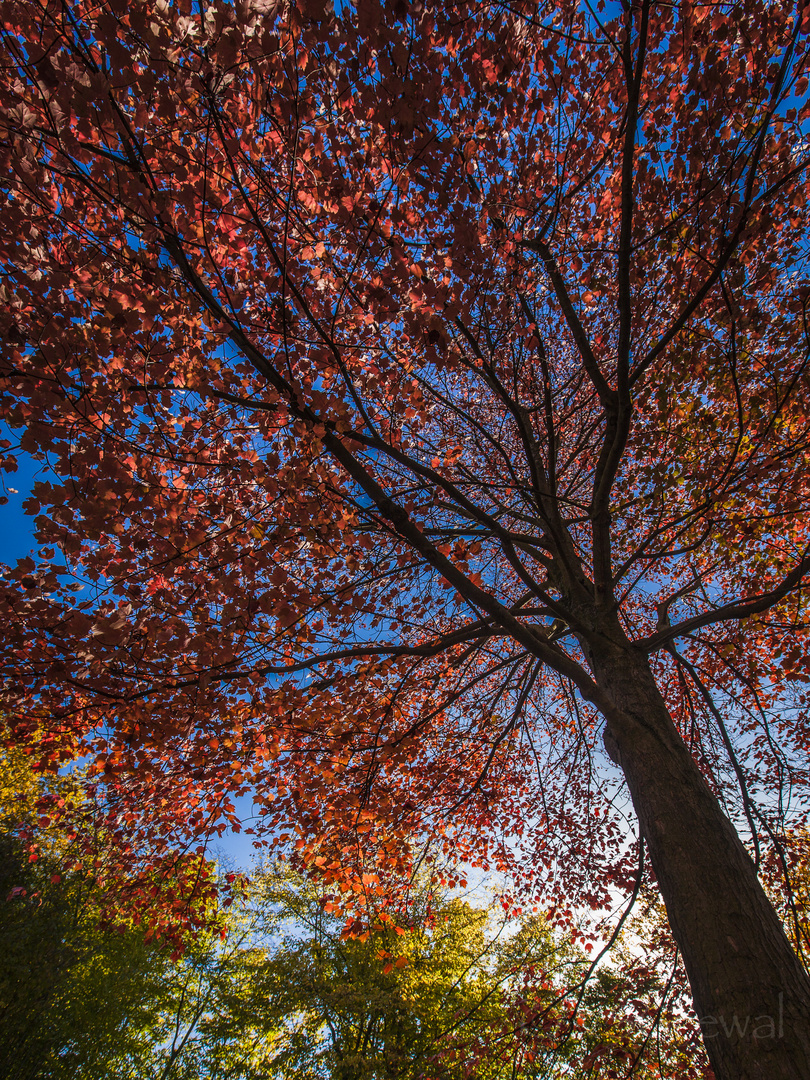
x: 421, y: 391
x: 432, y: 989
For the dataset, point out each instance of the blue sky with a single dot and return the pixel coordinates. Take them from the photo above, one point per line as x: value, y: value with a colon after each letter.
x: 16, y: 527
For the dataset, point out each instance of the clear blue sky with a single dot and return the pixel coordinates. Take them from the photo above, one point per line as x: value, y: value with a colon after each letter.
x: 16, y: 528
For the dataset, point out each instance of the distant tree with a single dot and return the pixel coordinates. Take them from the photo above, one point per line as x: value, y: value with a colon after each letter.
x: 422, y: 994
x: 276, y: 989
x: 75, y: 999
x: 272, y: 987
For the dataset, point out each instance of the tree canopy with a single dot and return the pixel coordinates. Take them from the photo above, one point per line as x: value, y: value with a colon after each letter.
x: 424, y: 394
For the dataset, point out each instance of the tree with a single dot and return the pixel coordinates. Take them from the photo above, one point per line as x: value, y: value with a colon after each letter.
x: 425, y: 390
x: 428, y: 995
x: 76, y: 999
x: 77, y: 994
x: 274, y: 989
x: 204, y: 1019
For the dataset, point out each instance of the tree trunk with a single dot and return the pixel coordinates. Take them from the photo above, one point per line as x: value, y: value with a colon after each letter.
x: 751, y: 993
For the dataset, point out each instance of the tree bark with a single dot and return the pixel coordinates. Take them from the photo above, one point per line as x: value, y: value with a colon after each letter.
x: 751, y: 993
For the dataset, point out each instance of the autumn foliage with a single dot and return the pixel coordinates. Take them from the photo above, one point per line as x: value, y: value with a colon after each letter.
x: 422, y: 393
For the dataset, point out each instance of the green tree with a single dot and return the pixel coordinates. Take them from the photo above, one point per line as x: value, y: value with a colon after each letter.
x: 81, y: 993
x: 275, y: 989
x: 402, y: 1000
x: 441, y: 990
x: 74, y: 997
x: 274, y: 986
x: 427, y: 992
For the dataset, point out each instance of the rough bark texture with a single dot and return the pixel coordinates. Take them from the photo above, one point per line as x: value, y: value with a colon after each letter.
x: 751, y: 993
